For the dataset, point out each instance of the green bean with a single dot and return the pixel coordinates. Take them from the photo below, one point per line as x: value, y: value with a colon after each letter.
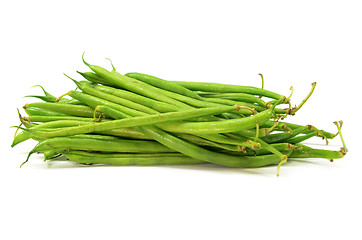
x: 286, y: 126
x: 50, y: 154
x: 134, y: 160
x: 98, y: 143
x: 220, y: 138
x: 120, y: 132
x: 23, y: 136
x: 42, y: 112
x: 231, y: 102
x: 278, y: 137
x: 92, y: 77
x: 281, y: 147
x: 225, y: 126
x: 240, y: 97
x: 226, y: 88
x: 59, y: 124
x: 36, y: 118
x: 163, y: 84
x: 248, y: 133
x: 204, y: 142
x: 250, y: 105
x: 307, y: 152
x: 19, y: 138
x: 68, y: 109
x: 124, y: 155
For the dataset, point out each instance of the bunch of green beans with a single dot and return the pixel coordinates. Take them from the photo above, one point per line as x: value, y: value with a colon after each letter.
x: 139, y: 119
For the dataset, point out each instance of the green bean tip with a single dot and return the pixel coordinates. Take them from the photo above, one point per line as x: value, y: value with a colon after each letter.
x: 84, y: 60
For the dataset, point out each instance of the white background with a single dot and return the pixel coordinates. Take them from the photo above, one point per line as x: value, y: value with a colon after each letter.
x: 292, y: 43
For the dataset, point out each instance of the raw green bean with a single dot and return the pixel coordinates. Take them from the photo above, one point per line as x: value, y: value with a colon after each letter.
x: 19, y: 138
x: 231, y: 102
x: 23, y: 136
x: 68, y: 109
x: 91, y: 143
x: 225, y: 126
x: 245, y: 104
x: 281, y: 147
x: 92, y: 77
x: 163, y: 84
x: 57, y: 118
x: 134, y: 160
x: 307, y: 152
x: 227, y: 88
x: 220, y: 138
x: 279, y: 137
x: 120, y: 132
x: 50, y: 154
x: 240, y: 97
x: 286, y: 126
x: 204, y: 142
x: 124, y: 155
x: 42, y: 112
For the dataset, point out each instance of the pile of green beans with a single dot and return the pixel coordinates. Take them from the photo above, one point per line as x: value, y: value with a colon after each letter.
x: 139, y: 119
